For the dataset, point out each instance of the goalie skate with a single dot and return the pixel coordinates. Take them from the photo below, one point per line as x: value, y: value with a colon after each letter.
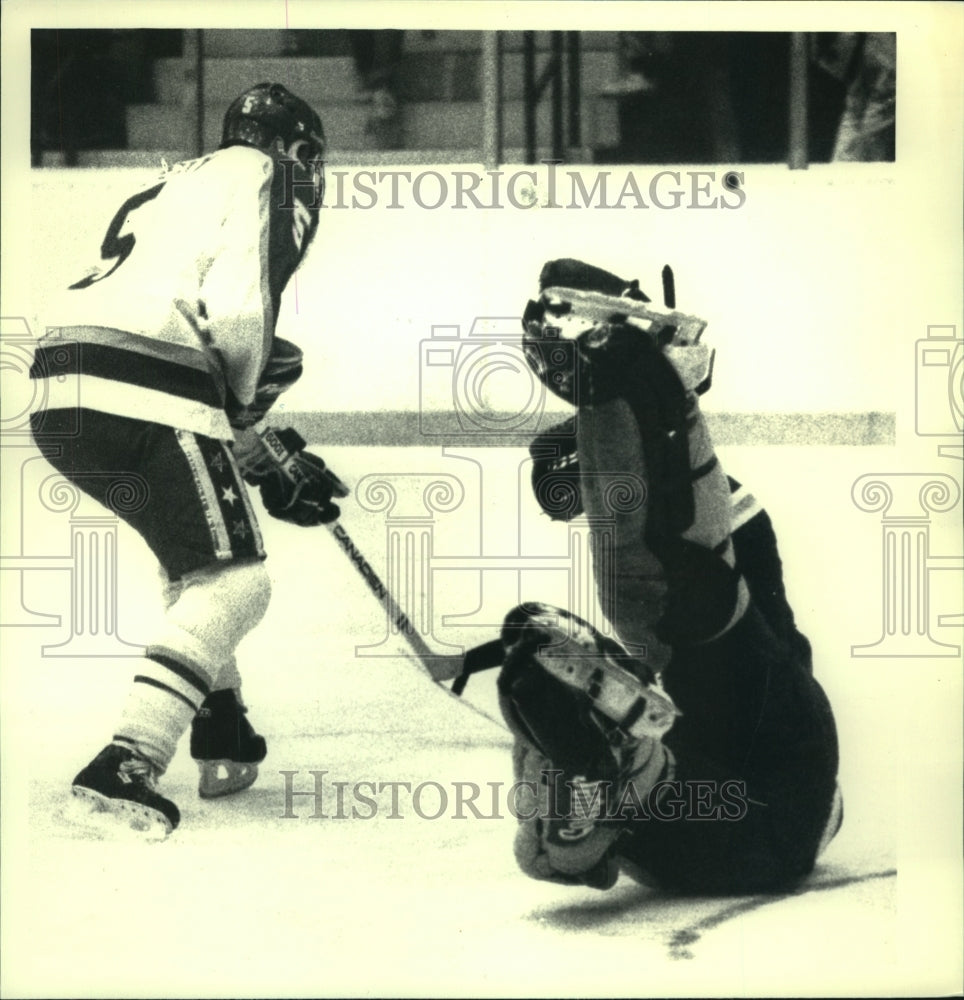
x: 581, y: 308
x: 589, y: 308
x: 589, y: 316
x: 573, y: 652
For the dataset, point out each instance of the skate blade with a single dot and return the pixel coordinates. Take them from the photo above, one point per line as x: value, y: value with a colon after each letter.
x: 224, y: 777
x: 109, y: 818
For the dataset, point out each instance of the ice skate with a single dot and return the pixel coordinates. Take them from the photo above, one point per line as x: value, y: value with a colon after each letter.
x: 121, y: 782
x: 225, y: 746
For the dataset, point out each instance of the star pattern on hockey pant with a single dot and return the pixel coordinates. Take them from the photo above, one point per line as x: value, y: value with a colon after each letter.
x: 228, y: 491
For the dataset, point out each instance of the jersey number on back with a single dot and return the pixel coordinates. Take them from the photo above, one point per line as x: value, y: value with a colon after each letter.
x: 116, y: 247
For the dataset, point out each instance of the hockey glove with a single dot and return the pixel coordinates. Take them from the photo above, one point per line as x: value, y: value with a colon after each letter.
x: 295, y: 485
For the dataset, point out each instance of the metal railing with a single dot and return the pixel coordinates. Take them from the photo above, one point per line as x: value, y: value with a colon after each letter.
x: 561, y: 77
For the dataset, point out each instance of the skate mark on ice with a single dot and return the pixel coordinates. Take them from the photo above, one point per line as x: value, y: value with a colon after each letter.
x: 681, y: 940
x: 663, y: 916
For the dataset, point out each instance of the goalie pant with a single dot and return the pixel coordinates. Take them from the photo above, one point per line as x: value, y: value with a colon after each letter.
x: 754, y: 715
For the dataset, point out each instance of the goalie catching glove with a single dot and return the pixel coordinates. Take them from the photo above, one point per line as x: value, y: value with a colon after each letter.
x: 295, y: 485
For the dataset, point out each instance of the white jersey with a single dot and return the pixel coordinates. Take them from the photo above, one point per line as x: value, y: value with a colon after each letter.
x: 177, y: 321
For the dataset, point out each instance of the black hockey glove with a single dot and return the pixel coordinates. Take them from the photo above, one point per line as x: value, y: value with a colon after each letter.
x: 295, y: 485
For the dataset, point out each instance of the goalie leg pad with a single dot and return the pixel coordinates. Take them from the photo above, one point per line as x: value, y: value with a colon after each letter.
x: 673, y: 558
x: 585, y: 726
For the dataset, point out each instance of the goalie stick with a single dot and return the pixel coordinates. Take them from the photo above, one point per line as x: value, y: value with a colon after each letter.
x: 641, y: 708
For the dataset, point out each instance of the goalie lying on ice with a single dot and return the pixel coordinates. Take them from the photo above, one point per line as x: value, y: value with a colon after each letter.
x: 706, y: 761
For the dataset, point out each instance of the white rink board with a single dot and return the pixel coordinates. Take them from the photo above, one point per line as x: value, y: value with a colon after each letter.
x: 784, y: 279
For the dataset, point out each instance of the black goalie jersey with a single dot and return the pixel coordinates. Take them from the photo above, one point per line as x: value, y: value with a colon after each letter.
x: 177, y: 321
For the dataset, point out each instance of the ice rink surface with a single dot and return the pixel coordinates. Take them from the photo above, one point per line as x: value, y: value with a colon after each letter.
x: 401, y: 903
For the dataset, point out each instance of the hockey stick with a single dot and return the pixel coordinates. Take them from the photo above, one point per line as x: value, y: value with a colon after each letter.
x: 439, y: 667
x: 622, y: 696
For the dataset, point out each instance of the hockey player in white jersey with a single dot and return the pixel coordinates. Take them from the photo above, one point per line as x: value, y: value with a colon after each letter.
x: 168, y: 348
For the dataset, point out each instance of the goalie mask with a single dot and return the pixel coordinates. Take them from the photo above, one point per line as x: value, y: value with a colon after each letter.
x: 268, y: 116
